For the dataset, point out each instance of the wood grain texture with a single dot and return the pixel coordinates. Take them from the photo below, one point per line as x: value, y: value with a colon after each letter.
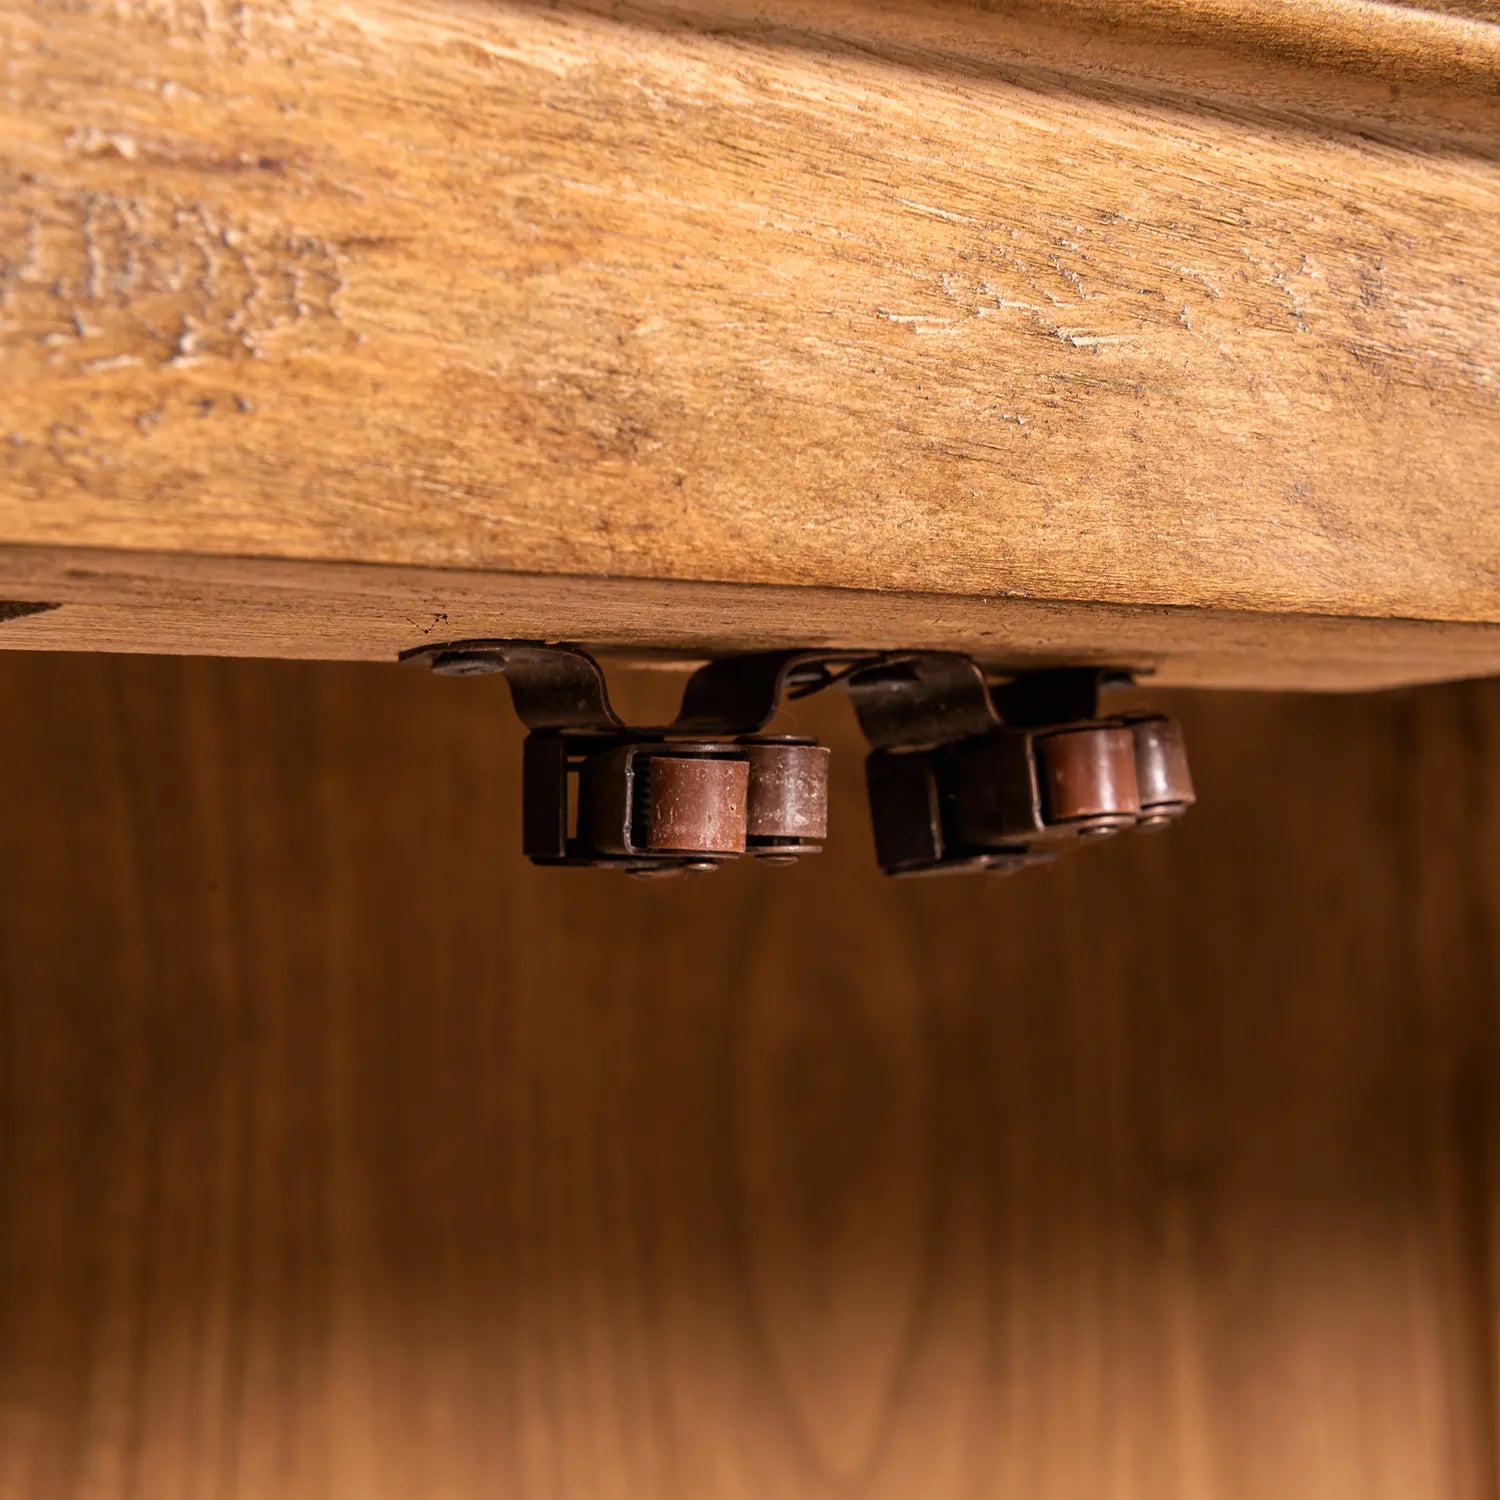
x: 343, y: 1154
x: 132, y: 601
x: 1189, y: 304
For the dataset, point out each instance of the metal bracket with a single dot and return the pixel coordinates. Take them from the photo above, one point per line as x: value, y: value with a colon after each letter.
x: 968, y: 775
x: 964, y: 773
x: 688, y: 795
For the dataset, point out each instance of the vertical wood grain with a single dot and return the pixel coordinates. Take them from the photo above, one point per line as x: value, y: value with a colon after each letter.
x: 343, y: 1154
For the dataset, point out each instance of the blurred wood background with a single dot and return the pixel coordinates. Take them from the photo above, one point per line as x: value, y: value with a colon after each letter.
x: 343, y: 1154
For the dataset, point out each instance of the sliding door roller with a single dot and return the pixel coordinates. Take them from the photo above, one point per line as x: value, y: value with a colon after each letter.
x: 964, y: 773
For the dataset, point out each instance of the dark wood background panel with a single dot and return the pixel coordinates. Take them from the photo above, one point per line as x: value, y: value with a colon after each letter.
x: 341, y: 1153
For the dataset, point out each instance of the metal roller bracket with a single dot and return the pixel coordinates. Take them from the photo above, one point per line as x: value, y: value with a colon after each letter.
x: 964, y: 773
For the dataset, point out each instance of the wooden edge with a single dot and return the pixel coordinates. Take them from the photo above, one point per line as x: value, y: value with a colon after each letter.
x: 1450, y: 47
x: 117, y: 601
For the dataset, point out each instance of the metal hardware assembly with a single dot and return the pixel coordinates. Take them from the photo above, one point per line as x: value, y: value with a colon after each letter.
x: 688, y: 795
x: 964, y: 773
x: 968, y: 775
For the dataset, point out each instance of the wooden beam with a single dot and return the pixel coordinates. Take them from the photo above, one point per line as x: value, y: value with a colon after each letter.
x: 1192, y: 308
x: 206, y: 606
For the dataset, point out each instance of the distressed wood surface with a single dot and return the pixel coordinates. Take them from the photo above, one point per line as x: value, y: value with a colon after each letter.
x: 1189, y: 305
x: 344, y: 1154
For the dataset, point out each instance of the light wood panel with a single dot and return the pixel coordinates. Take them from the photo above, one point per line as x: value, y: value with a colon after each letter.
x: 1189, y: 305
x: 90, y: 600
x: 343, y: 1154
